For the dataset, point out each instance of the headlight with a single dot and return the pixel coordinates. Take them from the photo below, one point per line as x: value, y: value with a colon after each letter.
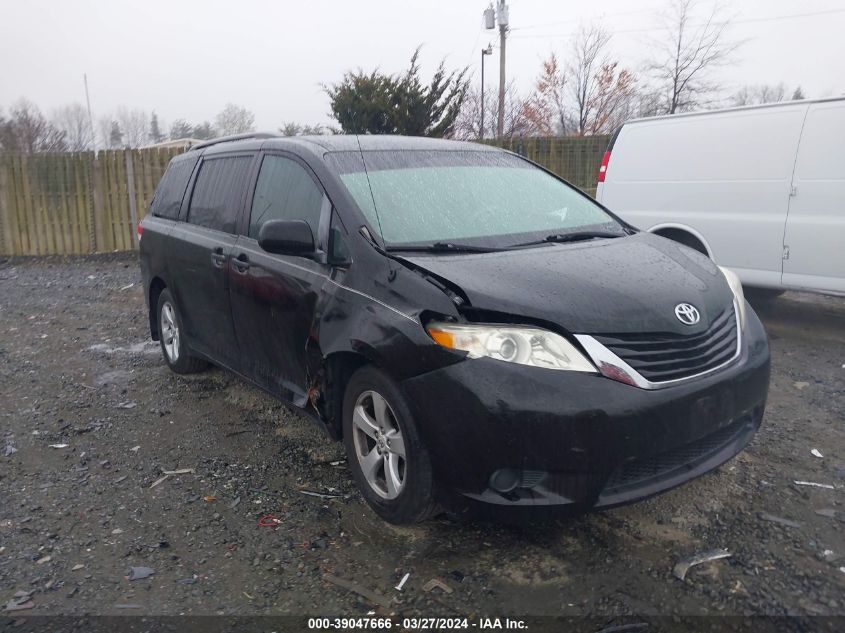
x: 736, y: 288
x: 512, y: 344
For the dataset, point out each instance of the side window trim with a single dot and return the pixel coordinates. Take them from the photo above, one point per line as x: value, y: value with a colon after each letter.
x: 189, y: 192
x: 321, y: 239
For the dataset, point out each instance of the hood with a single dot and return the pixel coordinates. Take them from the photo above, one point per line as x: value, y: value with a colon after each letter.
x: 611, y: 286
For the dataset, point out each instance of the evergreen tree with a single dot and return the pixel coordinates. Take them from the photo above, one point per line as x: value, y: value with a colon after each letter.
x: 155, y: 132
x: 116, y: 135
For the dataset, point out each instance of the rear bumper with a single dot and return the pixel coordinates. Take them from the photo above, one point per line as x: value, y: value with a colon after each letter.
x: 582, y: 440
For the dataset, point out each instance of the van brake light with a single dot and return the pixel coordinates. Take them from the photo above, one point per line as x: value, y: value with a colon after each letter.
x: 604, y: 162
x: 140, y: 230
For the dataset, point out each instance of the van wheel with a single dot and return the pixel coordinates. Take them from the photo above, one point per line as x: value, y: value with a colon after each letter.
x: 388, y: 460
x: 172, y: 340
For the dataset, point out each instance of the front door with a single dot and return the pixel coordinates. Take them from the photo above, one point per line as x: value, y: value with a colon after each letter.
x: 202, y: 248
x: 274, y: 297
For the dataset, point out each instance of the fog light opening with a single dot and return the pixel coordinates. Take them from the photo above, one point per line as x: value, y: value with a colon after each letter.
x: 504, y: 480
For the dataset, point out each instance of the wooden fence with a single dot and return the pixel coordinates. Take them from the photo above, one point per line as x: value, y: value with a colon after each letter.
x: 66, y: 204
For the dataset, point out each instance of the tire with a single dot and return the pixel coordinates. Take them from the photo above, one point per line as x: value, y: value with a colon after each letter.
x: 177, y: 356
x: 399, y: 488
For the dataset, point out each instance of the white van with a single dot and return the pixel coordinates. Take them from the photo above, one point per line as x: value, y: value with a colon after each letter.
x: 759, y: 189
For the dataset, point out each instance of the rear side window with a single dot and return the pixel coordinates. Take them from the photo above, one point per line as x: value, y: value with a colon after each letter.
x: 218, y: 192
x: 284, y: 191
x: 171, y: 189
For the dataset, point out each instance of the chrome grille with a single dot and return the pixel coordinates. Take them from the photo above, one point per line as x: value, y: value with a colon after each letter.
x: 661, y: 357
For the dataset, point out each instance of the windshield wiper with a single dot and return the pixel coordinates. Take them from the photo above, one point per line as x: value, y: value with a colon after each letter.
x: 444, y: 247
x: 575, y: 236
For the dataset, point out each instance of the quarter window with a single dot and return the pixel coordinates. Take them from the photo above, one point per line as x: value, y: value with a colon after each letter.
x: 171, y: 189
x: 285, y: 191
x: 218, y: 193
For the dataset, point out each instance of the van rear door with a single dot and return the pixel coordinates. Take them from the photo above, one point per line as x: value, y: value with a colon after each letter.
x: 815, y: 226
x: 199, y: 262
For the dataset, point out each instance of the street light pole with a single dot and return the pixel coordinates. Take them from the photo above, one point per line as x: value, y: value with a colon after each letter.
x: 484, y: 52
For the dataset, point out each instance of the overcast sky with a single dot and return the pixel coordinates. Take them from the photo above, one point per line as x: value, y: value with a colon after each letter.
x: 188, y: 59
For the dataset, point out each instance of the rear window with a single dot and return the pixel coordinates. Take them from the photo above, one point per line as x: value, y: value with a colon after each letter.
x: 218, y: 192
x: 171, y: 189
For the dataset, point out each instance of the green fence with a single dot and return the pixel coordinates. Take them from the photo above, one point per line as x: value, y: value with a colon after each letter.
x: 65, y: 204
x: 575, y: 158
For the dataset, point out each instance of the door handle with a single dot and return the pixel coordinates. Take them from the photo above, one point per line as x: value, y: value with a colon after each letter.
x: 218, y: 258
x: 241, y: 263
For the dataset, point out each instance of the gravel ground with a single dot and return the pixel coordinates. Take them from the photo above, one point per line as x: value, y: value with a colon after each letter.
x: 90, y: 417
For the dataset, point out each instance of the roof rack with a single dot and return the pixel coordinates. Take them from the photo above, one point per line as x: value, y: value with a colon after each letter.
x: 234, y: 137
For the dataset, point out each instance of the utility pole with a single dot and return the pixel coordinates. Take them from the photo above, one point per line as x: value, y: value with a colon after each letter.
x: 502, y: 19
x: 484, y: 52
x: 90, y: 118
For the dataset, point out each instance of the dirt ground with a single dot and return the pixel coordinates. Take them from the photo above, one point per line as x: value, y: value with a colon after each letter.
x: 90, y: 417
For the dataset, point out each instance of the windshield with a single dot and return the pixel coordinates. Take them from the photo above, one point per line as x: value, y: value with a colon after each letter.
x: 481, y: 198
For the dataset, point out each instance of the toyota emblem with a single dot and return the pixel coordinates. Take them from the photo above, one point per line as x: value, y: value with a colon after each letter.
x: 687, y: 313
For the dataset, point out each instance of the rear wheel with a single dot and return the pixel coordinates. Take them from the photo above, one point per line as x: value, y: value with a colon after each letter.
x: 388, y: 460
x: 172, y: 341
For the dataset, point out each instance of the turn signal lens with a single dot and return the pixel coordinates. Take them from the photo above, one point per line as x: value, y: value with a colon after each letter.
x: 512, y: 344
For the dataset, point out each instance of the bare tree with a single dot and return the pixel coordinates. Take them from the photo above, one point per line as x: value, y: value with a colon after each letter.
x: 234, y: 119
x: 204, y: 131
x: 648, y: 102
x: 135, y: 126
x: 545, y: 109
x: 73, y: 121
x: 298, y: 129
x: 468, y: 123
x: 27, y: 131
x: 613, y: 99
x: 602, y: 94
x: 103, y: 132
x: 755, y: 95
x: 687, y: 52
x: 588, y: 57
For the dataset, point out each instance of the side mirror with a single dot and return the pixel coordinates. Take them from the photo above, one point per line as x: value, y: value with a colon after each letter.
x: 286, y: 237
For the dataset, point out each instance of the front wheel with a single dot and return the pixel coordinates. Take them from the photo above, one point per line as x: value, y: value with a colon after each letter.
x: 384, y: 450
x: 172, y: 340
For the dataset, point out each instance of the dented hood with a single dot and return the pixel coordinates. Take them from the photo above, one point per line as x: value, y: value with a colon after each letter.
x: 619, y: 285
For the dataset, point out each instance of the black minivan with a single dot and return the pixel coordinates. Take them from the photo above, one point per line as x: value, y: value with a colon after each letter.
x: 475, y: 329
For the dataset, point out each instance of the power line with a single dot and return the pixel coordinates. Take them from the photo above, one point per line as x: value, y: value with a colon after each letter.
x: 727, y: 22
x: 601, y: 16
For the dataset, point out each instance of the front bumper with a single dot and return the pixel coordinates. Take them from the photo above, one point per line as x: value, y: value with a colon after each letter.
x: 583, y: 440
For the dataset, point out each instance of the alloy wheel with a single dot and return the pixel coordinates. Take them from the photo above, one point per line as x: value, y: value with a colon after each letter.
x: 169, y: 332
x: 379, y: 445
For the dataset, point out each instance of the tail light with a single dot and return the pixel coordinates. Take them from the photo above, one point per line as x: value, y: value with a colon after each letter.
x: 140, y: 230
x: 604, y: 162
